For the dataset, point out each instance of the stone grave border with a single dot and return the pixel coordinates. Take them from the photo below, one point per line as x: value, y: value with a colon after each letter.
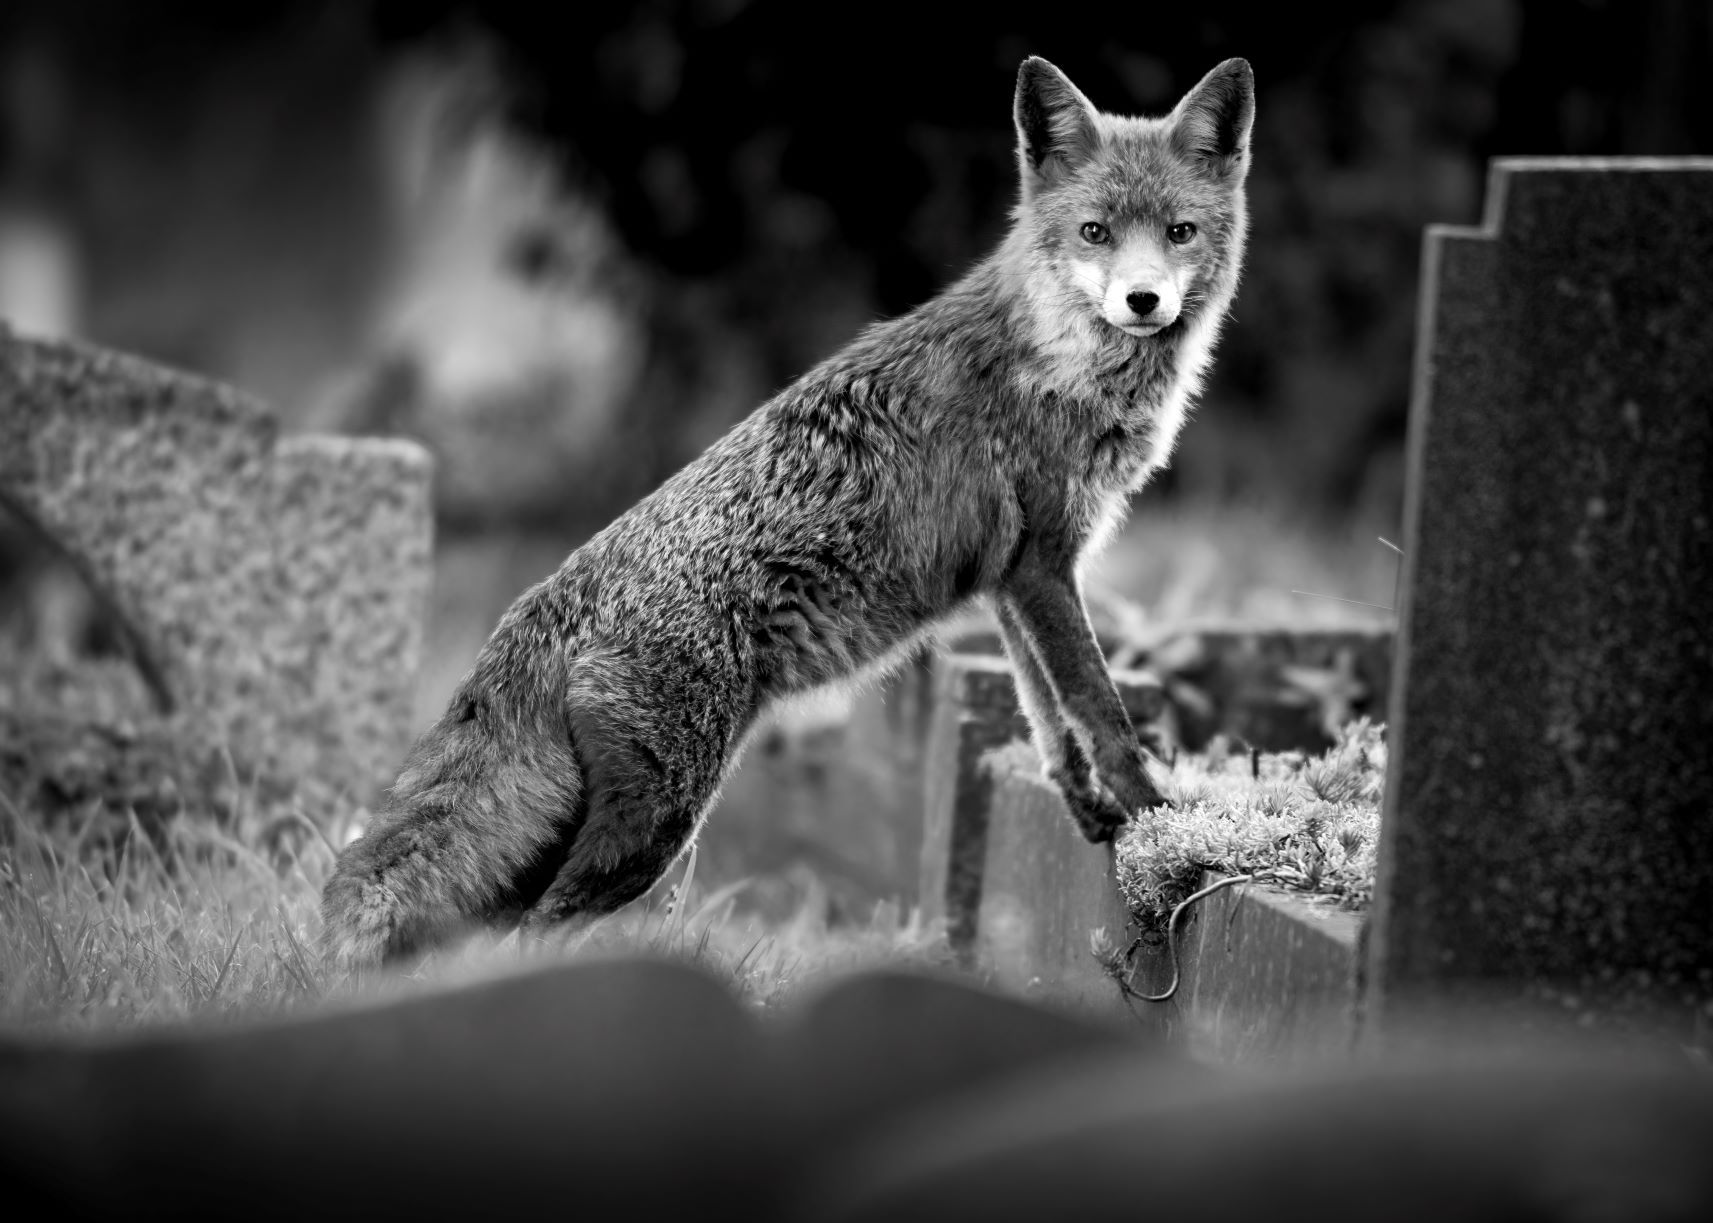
x: 1265, y: 974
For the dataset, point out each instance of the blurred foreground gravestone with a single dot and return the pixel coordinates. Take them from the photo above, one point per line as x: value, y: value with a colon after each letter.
x: 643, y: 1089
x: 273, y: 588
x: 1548, y: 829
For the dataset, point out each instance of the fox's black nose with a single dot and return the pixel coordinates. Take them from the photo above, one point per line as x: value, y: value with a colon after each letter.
x: 1143, y: 303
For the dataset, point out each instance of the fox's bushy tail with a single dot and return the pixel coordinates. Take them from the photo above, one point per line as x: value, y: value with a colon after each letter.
x: 481, y: 809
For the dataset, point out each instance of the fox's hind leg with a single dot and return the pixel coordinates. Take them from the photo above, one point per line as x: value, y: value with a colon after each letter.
x: 472, y: 832
x: 619, y: 854
x: 639, y: 811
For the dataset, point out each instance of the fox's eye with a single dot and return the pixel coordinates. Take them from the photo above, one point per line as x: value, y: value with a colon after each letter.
x: 1181, y: 233
x: 1095, y: 232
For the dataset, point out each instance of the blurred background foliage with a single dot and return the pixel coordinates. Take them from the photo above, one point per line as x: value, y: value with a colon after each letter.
x: 699, y: 198
x: 568, y: 245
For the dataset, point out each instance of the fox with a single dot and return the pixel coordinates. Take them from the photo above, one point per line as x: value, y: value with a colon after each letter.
x: 977, y: 449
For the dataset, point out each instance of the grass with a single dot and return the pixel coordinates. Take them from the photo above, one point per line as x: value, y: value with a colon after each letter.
x: 192, y: 922
x: 106, y: 922
x: 195, y: 920
x: 142, y: 929
x: 1308, y: 824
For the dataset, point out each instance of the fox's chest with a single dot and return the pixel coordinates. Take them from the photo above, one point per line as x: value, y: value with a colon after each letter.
x: 1135, y: 408
x: 1114, y: 465
x: 1118, y: 458
x: 1141, y: 427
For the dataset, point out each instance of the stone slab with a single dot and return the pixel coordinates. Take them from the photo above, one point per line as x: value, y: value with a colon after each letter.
x: 827, y: 804
x: 1049, y: 900
x: 274, y: 588
x: 879, y: 777
x: 149, y: 480
x: 974, y: 711
x: 1548, y: 838
x: 769, y: 834
x: 352, y: 545
x: 1268, y: 977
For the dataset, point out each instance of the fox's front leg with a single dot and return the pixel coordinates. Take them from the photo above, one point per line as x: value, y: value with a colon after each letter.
x: 1081, y: 730
x: 1063, y: 760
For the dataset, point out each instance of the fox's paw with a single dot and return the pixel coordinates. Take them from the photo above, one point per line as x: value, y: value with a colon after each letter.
x: 1102, y: 804
x: 1097, y: 812
x: 1128, y: 781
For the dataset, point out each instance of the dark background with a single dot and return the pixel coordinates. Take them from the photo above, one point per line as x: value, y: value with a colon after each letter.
x: 768, y: 176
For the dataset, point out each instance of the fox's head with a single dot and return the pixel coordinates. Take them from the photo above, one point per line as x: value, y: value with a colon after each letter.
x: 1143, y: 219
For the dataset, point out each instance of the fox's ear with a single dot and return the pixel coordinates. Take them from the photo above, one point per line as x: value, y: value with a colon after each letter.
x: 1212, y: 122
x: 1055, y: 124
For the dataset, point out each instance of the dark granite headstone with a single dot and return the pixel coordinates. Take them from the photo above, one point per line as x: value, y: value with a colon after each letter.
x: 1548, y: 838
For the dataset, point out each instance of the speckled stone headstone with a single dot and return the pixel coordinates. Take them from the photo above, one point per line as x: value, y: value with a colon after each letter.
x: 352, y: 543
x: 275, y: 586
x: 1548, y: 833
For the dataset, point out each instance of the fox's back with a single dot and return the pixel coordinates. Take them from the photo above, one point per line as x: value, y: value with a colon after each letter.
x: 812, y: 539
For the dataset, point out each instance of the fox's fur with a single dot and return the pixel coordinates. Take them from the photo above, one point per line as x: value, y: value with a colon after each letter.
x: 978, y: 446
